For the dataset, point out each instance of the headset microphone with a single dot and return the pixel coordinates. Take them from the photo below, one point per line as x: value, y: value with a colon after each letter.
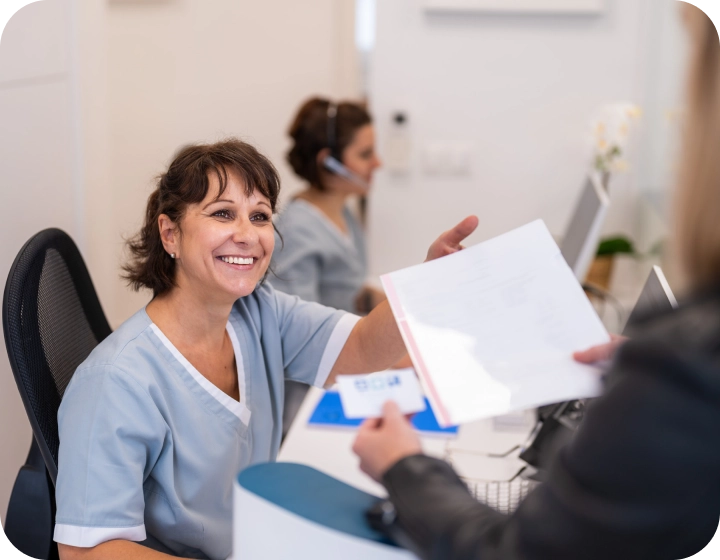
x: 334, y: 166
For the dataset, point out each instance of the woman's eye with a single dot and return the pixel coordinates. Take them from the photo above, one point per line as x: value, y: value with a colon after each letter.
x: 260, y: 217
x: 223, y: 214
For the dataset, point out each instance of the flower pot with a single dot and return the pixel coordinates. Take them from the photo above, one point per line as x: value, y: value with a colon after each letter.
x: 600, y: 272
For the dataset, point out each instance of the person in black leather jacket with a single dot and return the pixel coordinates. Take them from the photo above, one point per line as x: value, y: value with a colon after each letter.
x: 641, y: 477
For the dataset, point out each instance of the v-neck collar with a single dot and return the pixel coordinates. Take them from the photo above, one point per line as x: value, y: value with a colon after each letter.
x: 239, y: 409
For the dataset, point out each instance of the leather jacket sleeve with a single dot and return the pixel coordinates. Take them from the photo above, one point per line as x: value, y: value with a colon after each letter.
x: 640, y: 479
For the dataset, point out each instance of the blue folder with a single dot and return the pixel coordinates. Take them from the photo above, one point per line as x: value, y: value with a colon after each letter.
x: 329, y: 412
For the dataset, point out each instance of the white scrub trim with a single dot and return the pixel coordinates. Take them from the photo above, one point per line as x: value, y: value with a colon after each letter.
x: 86, y: 537
x: 335, y: 344
x: 239, y: 409
x: 240, y: 369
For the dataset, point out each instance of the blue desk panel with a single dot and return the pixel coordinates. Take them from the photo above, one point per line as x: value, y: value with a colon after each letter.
x: 329, y: 412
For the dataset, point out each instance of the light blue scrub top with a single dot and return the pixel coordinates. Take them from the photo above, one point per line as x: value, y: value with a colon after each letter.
x: 317, y: 261
x: 149, y: 448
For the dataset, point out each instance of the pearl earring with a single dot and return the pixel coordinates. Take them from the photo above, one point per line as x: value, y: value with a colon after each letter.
x: 172, y: 255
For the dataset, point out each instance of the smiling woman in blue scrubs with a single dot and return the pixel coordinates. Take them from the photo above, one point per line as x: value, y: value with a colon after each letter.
x: 165, y: 412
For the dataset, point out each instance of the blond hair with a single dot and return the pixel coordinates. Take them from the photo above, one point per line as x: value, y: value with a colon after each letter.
x: 698, y: 193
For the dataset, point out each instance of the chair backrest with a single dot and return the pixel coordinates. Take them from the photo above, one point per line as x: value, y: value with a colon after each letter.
x: 52, y: 319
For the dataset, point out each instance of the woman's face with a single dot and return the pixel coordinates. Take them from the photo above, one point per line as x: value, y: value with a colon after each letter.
x: 225, y: 245
x: 359, y: 156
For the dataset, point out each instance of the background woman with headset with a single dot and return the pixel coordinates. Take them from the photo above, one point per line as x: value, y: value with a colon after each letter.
x: 321, y: 255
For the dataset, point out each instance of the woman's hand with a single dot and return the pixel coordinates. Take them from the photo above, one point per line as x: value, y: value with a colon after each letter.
x: 602, y: 352
x: 382, y: 442
x: 450, y: 241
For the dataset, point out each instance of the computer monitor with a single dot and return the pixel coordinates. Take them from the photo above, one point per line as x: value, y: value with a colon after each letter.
x: 582, y: 234
x: 656, y: 297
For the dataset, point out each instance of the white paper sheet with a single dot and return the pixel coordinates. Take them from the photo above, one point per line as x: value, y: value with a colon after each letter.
x: 363, y: 396
x: 492, y: 329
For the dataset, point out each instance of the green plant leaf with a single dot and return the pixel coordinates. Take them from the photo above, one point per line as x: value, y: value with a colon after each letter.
x: 616, y: 245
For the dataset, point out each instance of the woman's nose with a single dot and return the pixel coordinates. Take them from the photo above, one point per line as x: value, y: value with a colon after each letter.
x: 245, y: 232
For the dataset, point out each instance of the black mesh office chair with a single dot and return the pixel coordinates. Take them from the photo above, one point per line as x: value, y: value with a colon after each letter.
x: 52, y: 319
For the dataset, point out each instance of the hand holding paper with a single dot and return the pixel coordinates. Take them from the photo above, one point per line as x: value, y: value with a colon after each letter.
x: 602, y: 353
x: 382, y: 442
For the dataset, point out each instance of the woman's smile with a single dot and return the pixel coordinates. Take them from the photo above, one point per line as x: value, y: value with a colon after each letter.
x: 239, y: 263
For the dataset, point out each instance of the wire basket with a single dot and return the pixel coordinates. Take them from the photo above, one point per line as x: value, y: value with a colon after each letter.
x: 503, y: 496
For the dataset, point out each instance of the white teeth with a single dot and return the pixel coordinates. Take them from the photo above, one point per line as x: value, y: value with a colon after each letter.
x: 237, y: 260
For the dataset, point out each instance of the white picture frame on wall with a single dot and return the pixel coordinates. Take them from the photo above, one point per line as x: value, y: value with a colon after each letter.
x: 559, y: 7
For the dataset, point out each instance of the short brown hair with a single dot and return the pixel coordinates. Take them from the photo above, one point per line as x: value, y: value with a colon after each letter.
x: 309, y: 132
x: 698, y: 194
x: 186, y: 182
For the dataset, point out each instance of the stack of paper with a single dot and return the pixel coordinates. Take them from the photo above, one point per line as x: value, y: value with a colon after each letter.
x: 492, y: 328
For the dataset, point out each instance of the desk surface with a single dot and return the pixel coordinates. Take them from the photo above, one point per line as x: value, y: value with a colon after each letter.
x: 483, y: 450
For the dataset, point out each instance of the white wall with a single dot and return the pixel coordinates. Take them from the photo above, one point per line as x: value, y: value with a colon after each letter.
x: 90, y: 36
x: 518, y: 92
x: 667, y: 51
x: 39, y: 177
x: 189, y: 71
